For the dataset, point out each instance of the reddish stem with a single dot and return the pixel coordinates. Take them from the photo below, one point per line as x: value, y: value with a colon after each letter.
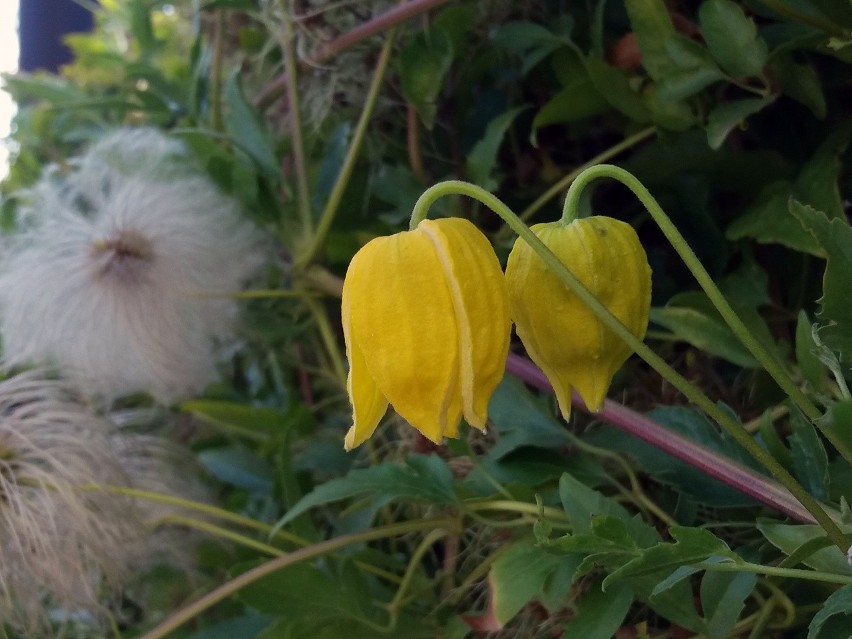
x: 703, y: 459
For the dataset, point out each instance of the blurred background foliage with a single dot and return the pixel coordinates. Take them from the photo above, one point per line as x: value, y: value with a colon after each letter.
x: 724, y: 109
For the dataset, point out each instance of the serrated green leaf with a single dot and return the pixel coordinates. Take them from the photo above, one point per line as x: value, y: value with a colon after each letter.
x: 519, y: 574
x: 732, y: 38
x: 483, y: 157
x: 423, y: 64
x: 696, y: 69
x: 426, y: 478
x: 723, y: 596
x: 729, y: 115
x: 600, y: 614
x: 839, y: 603
x: 652, y: 26
x: 835, y: 313
x: 692, y: 546
x: 575, y: 102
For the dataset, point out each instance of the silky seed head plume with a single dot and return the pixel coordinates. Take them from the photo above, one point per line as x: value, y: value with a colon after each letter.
x: 120, y: 271
x: 63, y: 545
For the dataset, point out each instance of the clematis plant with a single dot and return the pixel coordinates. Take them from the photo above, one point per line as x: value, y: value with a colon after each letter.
x: 426, y: 325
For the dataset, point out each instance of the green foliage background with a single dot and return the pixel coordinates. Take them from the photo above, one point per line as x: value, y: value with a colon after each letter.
x: 734, y: 114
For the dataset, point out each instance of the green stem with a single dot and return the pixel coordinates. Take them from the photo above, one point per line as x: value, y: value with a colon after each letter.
x: 774, y: 571
x: 760, y: 353
x: 565, y: 181
x: 292, y: 83
x: 428, y: 541
x: 200, y: 507
x: 689, y: 390
x: 516, y: 507
x: 227, y: 589
x: 329, y: 340
x: 218, y: 531
x: 336, y: 195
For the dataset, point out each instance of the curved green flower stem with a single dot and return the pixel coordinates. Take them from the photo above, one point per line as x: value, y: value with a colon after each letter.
x: 689, y: 390
x: 291, y: 83
x: 227, y: 589
x: 774, y: 571
x: 336, y: 195
x: 763, y: 356
x: 413, y: 563
x: 566, y: 180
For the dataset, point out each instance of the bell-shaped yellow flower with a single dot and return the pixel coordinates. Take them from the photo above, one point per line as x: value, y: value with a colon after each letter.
x: 426, y: 323
x: 561, y: 334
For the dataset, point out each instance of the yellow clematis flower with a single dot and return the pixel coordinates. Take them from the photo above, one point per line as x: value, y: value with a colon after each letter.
x: 426, y: 323
x: 561, y: 334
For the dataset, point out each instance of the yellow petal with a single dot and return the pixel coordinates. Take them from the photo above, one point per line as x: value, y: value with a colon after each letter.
x: 401, y: 317
x: 368, y: 403
x: 480, y: 303
x: 562, y: 336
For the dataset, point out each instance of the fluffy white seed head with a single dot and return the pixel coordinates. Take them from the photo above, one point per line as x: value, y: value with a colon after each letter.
x: 62, y: 544
x: 119, y: 271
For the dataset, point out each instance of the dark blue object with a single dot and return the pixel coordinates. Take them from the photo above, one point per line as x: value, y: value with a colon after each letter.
x: 42, y: 24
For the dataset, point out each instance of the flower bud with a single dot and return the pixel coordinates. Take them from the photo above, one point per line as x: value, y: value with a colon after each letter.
x: 561, y: 334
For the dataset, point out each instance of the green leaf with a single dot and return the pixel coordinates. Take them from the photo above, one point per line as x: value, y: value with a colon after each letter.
x: 241, y: 418
x: 696, y: 69
x: 705, y: 332
x: 483, y: 157
x: 723, y: 596
x: 835, y: 313
x: 672, y: 472
x: 245, y: 627
x: 729, y: 115
x: 238, y: 466
x: 800, y: 82
x: 332, y: 162
x: 575, y: 102
x: 809, y: 362
x: 304, y: 590
x: 773, y: 442
x: 839, y: 603
x: 581, y: 503
x: 732, y: 38
x: 423, y: 64
x: 810, y: 461
x: 521, y: 421
x: 246, y: 130
x: 530, y: 40
x: 837, y: 419
x: 426, y: 478
x: 614, y: 85
x: 652, y: 26
x: 788, y: 538
x: 600, y: 614
x: 692, y: 546
x: 519, y: 574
